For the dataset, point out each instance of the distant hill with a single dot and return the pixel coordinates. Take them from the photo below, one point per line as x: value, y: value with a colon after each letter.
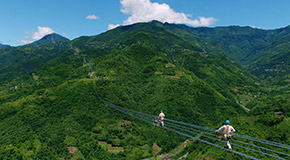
x: 271, y: 59
x: 16, y: 61
x: 50, y: 38
x: 262, y: 52
x: 240, y: 42
x: 4, y: 46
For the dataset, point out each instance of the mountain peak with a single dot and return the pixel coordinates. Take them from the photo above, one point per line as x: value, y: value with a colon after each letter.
x: 4, y: 46
x: 53, y: 37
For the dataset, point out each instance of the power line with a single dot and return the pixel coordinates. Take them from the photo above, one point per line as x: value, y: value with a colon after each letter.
x: 117, y: 108
x: 231, y: 143
x: 145, y: 117
x: 276, y: 144
x: 174, y: 126
x: 231, y: 139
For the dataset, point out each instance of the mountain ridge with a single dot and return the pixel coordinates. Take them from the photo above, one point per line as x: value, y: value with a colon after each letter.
x: 247, y: 46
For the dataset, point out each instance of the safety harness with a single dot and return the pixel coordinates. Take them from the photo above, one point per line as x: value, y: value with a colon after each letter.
x: 160, y: 119
x: 224, y: 136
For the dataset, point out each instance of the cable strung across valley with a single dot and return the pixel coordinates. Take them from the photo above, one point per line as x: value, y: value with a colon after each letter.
x: 191, y: 130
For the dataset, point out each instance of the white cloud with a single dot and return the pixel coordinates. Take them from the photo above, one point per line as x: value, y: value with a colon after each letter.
x: 91, y: 17
x: 256, y: 27
x: 145, y: 11
x: 23, y: 41
x: 112, y: 26
x: 42, y: 31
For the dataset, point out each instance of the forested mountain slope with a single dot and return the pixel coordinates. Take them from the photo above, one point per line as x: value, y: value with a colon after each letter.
x: 256, y: 50
x: 48, y: 101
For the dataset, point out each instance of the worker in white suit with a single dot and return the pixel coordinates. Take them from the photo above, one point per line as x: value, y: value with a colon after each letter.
x: 227, y: 131
x: 161, y: 118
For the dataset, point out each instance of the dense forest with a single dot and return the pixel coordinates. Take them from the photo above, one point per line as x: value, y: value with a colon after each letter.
x: 49, y: 108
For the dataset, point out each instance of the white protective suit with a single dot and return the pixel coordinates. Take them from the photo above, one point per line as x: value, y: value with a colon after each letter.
x: 227, y: 130
x: 161, y: 118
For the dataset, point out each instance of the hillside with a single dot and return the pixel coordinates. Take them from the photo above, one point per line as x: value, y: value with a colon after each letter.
x: 240, y: 42
x: 3, y: 46
x: 144, y: 67
x: 271, y: 59
x: 18, y: 61
x: 256, y: 50
x: 191, y: 56
x: 263, y: 53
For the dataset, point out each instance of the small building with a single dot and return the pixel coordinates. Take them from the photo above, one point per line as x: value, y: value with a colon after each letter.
x: 279, y: 114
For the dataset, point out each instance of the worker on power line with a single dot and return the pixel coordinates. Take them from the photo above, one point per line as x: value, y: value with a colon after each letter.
x: 161, y: 118
x: 227, y: 131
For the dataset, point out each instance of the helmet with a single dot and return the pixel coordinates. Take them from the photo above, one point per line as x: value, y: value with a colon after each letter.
x: 227, y: 122
x: 161, y: 111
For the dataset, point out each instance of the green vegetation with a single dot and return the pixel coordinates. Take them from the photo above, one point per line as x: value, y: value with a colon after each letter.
x: 49, y: 109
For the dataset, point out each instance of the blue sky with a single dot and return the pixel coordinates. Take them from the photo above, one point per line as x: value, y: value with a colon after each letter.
x: 24, y: 21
